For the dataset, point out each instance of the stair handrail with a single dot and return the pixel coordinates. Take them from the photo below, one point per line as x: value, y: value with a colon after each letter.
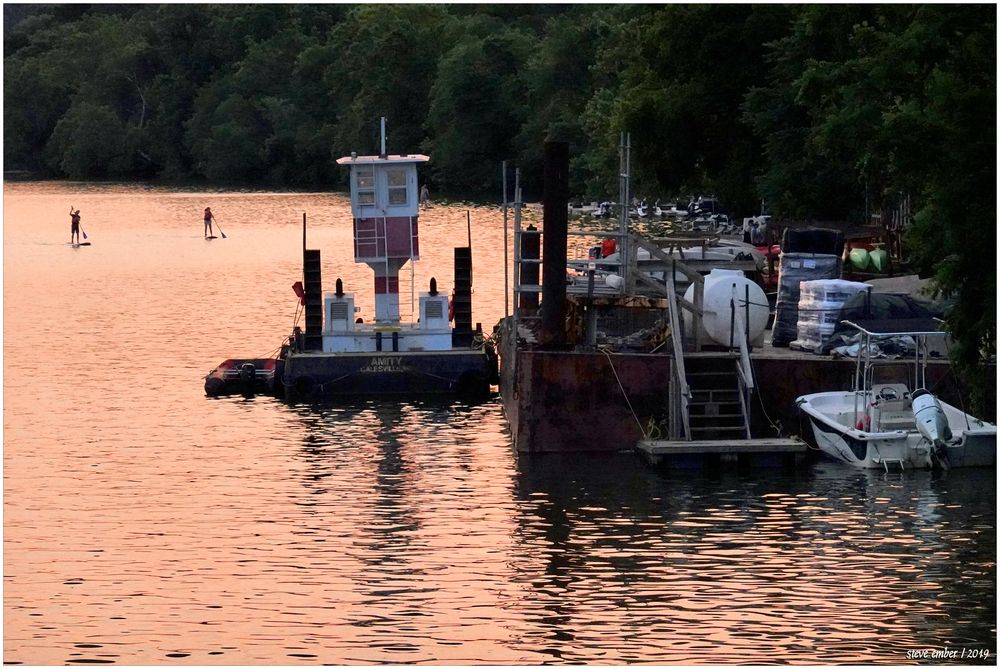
x: 738, y: 334
x: 737, y: 338
x: 677, y: 336
x: 692, y: 275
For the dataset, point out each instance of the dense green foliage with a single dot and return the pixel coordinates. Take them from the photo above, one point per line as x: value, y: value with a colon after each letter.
x: 824, y: 111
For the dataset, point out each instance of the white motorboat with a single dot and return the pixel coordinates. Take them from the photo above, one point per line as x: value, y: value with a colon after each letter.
x: 671, y: 210
x: 879, y: 424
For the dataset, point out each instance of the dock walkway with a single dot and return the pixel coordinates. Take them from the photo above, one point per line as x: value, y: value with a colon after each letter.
x: 750, y: 451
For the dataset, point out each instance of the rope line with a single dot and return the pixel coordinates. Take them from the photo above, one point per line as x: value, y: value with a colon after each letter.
x: 643, y: 432
x: 760, y: 400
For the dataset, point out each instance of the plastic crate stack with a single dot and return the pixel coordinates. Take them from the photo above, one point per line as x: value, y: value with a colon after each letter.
x: 820, y: 303
x: 813, y: 253
x: 795, y: 269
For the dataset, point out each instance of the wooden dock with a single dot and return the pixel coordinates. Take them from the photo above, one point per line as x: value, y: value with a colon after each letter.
x: 744, y: 452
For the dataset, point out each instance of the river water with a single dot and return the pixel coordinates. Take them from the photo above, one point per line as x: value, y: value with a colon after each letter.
x: 147, y: 524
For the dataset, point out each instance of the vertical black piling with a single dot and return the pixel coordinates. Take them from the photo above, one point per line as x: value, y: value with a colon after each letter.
x: 314, y: 299
x: 462, y: 334
x: 312, y: 283
x: 555, y: 217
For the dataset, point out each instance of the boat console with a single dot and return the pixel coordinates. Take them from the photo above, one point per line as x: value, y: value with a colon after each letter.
x: 892, y: 408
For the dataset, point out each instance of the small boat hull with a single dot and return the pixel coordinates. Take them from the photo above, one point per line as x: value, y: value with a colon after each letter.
x: 859, y: 446
x: 241, y: 376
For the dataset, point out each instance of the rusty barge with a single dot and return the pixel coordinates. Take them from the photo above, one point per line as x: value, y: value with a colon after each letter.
x: 599, y: 365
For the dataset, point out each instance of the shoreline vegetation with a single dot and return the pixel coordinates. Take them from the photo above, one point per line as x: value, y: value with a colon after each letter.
x: 821, y: 112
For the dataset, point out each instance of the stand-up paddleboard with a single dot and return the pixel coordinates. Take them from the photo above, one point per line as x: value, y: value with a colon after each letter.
x: 211, y: 237
x: 77, y: 245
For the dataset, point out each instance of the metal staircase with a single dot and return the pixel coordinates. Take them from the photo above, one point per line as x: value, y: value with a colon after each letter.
x: 710, y: 392
x: 718, y: 406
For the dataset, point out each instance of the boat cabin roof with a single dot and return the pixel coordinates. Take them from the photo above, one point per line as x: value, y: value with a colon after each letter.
x: 355, y: 160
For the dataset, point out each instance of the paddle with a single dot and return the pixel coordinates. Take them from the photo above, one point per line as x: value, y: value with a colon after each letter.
x: 219, y: 228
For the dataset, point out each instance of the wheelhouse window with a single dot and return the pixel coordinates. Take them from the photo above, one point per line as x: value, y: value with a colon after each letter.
x: 397, y: 186
x: 365, y: 184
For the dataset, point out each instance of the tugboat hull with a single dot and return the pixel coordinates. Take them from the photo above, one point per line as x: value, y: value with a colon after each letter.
x: 314, y: 374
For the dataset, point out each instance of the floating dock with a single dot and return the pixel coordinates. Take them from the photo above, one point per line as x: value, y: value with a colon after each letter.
x: 788, y: 452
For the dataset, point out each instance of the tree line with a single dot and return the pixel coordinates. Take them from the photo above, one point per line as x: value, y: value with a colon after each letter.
x: 823, y: 111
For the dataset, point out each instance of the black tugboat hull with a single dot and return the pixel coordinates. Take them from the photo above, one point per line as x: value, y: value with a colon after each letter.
x: 463, y: 372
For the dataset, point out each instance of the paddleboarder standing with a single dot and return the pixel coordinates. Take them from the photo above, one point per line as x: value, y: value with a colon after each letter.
x: 74, y: 225
x: 208, y: 222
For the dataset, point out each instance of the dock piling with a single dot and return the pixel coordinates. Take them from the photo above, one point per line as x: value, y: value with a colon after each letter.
x: 555, y: 218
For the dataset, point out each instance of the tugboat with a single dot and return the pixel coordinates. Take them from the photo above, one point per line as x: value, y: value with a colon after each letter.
x: 337, y: 356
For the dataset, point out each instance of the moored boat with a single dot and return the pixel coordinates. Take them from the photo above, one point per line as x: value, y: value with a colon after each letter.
x: 881, y: 422
x: 241, y: 375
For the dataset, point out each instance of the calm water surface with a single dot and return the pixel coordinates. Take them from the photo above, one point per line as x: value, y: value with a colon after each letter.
x: 147, y: 524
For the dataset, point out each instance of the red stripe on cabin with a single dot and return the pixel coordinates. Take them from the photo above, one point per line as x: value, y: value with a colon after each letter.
x: 386, y: 284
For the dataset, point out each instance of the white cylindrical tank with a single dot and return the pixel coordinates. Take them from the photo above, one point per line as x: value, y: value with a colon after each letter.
x: 722, y: 286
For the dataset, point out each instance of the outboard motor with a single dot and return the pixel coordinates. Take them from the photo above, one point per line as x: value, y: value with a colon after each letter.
x: 932, y: 424
x: 248, y: 373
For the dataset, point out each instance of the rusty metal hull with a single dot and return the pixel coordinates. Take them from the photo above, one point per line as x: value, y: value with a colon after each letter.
x: 566, y: 401
x: 558, y: 401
